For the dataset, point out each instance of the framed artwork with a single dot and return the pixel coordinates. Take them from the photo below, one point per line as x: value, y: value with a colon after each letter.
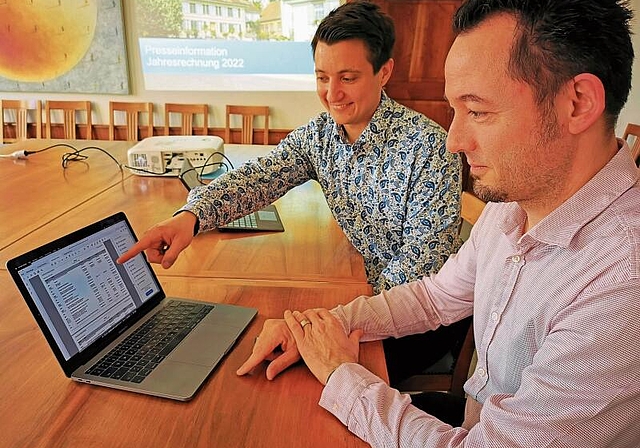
x: 63, y: 46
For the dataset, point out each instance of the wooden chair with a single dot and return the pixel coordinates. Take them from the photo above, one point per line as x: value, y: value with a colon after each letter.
x: 20, y: 110
x: 69, y: 109
x: 248, y: 114
x: 188, y: 113
x: 132, y: 111
x: 633, y: 130
x: 451, y: 379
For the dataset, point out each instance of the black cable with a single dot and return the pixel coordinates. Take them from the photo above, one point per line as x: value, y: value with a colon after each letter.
x: 142, y: 170
x: 23, y: 154
x: 223, y: 156
x: 55, y: 145
x: 77, y: 155
x: 200, y: 175
x: 74, y: 156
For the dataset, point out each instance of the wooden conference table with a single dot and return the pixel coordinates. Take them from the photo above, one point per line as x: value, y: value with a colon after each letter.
x: 310, y: 264
x: 312, y: 248
x: 37, y: 190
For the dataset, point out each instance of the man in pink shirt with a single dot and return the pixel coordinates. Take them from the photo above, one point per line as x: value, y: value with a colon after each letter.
x: 551, y: 271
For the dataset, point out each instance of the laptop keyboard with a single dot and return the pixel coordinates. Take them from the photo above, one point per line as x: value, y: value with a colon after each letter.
x: 136, y: 356
x: 246, y: 222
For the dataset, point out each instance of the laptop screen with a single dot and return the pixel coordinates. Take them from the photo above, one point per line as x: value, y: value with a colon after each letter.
x: 79, y: 289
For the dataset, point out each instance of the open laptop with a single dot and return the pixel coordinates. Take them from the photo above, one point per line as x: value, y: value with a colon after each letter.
x: 86, y: 304
x: 266, y: 219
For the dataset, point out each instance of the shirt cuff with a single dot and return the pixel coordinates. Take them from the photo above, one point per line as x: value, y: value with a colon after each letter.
x: 344, y: 388
x: 196, y: 226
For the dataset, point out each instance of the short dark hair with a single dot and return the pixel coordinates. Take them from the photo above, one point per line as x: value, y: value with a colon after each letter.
x: 359, y: 20
x: 559, y: 39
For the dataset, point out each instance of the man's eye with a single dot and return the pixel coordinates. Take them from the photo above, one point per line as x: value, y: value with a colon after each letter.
x: 476, y: 114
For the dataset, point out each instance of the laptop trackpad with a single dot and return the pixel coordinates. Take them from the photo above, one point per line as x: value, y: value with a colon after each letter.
x: 205, y: 345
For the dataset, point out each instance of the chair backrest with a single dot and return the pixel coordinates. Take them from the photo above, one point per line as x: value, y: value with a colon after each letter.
x: 69, y: 112
x: 633, y: 130
x: 471, y: 207
x: 452, y: 381
x: 248, y: 114
x: 20, y: 110
x: 132, y: 112
x: 187, y: 114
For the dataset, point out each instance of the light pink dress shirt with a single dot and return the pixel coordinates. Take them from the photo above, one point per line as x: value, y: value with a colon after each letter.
x: 556, y: 323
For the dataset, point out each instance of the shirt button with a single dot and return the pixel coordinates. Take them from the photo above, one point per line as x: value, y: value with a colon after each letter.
x: 480, y: 371
x: 516, y: 258
x: 494, y: 316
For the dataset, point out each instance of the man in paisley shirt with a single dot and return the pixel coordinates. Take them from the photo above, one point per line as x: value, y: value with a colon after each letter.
x: 384, y: 169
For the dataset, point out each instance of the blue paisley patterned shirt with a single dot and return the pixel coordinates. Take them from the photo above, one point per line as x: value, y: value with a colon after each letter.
x: 395, y: 192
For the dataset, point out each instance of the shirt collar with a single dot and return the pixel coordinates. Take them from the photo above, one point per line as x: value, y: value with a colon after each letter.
x: 378, y: 121
x: 562, y: 224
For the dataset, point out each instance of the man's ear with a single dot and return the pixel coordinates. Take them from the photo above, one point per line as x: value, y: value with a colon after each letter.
x: 587, y: 102
x: 385, y: 72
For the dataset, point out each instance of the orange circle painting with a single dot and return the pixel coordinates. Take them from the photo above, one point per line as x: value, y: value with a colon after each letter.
x: 43, y: 39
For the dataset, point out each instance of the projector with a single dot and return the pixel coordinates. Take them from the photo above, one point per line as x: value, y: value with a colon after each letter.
x: 163, y: 155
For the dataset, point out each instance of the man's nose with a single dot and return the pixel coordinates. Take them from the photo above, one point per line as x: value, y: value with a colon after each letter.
x: 458, y: 137
x: 334, y: 91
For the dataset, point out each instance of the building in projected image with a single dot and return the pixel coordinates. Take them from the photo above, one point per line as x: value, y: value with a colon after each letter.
x: 294, y: 20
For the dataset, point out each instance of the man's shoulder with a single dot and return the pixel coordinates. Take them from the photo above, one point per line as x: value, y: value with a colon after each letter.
x: 412, y: 118
x: 321, y: 121
x: 319, y: 127
x: 625, y: 211
x: 612, y: 239
x: 628, y: 201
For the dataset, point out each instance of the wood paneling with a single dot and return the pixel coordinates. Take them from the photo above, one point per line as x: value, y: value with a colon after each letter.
x: 423, y: 37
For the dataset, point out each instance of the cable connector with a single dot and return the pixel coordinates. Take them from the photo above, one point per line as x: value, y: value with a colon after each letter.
x: 16, y: 155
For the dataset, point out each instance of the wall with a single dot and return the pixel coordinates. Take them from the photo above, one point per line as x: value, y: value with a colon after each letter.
x: 289, y: 109
x: 631, y: 112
